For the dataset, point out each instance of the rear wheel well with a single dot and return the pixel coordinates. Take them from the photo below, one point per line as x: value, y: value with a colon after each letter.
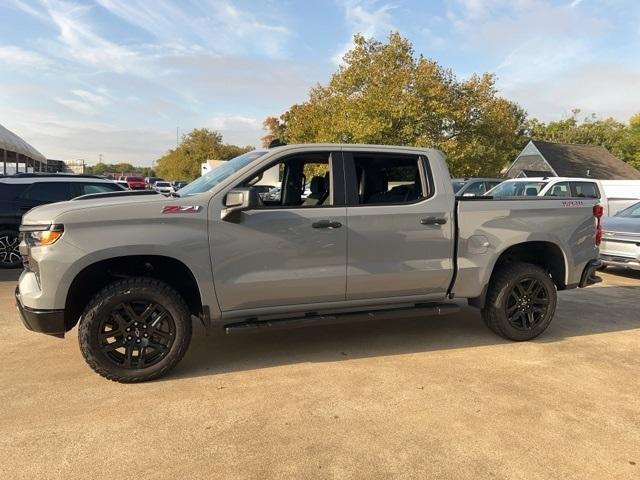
x: 98, y: 275
x: 546, y: 255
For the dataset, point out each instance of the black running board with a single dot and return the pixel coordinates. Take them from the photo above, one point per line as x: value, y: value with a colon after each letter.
x: 431, y: 309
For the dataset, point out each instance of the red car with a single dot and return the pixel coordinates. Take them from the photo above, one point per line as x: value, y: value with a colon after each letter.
x: 135, y: 183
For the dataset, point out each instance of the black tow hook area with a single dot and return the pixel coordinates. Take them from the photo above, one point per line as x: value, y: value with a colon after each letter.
x: 589, y: 276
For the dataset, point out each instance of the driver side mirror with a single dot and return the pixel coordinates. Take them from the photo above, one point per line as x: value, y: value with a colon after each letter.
x: 237, y: 201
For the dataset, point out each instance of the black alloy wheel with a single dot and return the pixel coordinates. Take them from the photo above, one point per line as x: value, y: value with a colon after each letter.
x: 136, y: 334
x: 134, y: 330
x: 527, y: 304
x: 9, y: 252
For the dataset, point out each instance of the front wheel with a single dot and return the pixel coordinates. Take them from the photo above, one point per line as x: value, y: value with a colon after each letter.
x: 135, y: 330
x: 521, y: 301
x: 9, y: 253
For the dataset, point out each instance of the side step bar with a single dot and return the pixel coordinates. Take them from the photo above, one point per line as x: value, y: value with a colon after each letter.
x: 430, y: 309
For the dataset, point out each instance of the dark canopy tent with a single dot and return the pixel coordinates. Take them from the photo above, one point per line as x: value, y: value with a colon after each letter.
x: 14, y: 150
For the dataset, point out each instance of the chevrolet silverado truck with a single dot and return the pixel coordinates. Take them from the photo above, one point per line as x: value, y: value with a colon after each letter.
x: 354, y: 232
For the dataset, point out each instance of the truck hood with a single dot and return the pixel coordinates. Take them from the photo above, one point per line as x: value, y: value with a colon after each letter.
x: 621, y: 224
x: 45, y: 214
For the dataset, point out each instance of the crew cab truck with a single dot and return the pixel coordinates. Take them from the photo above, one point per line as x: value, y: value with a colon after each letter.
x: 381, y: 235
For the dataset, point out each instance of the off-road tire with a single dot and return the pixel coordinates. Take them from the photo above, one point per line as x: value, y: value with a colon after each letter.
x: 10, y: 236
x: 108, y: 298
x: 502, y: 283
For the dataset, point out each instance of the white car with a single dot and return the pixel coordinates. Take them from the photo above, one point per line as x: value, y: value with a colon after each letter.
x: 614, y: 195
x: 164, y: 188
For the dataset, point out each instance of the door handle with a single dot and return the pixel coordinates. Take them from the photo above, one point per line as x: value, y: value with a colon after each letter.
x: 433, y: 221
x: 326, y: 224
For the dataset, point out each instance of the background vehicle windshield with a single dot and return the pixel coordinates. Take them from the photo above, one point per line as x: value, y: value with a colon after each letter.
x: 162, y: 184
x: 457, y: 186
x: 631, y: 212
x: 218, y: 174
x: 517, y: 189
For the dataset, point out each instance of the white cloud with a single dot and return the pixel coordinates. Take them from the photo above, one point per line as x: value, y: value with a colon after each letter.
x: 234, y: 122
x: 92, y: 98
x: 16, y: 56
x: 368, y: 18
x: 215, y: 25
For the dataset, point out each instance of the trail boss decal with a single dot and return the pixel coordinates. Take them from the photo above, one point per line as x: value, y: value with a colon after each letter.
x: 572, y: 203
x: 181, y: 209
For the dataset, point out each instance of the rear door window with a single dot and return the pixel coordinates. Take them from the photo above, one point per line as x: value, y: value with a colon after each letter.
x: 585, y: 189
x: 89, y: 188
x: 386, y: 179
x: 48, y: 192
x: 559, y: 190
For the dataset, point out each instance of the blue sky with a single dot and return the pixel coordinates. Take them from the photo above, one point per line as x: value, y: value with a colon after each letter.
x: 116, y: 77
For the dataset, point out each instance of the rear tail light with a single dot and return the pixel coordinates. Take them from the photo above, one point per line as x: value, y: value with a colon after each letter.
x: 598, y: 211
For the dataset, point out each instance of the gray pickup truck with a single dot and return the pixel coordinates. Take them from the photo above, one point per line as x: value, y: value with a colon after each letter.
x: 354, y: 231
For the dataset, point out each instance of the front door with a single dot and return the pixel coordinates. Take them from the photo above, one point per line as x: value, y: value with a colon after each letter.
x: 400, y: 233
x: 292, y: 249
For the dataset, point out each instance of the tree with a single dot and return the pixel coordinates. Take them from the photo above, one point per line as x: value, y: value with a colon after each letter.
x: 384, y: 94
x: 195, y: 148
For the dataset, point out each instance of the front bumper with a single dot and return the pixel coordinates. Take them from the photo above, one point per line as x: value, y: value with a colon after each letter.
x: 589, y: 276
x: 50, y: 322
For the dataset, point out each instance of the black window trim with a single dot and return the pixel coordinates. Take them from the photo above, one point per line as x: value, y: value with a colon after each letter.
x: 337, y: 187
x: 351, y: 179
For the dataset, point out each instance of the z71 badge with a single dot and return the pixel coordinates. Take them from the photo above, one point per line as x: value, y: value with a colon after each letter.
x: 181, y: 209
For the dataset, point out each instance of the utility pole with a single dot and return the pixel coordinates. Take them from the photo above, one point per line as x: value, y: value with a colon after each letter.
x: 177, y: 136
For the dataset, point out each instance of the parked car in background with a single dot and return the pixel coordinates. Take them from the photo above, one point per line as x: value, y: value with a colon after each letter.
x: 134, y: 182
x: 384, y: 237
x: 20, y: 193
x: 619, y: 194
x: 178, y: 184
x: 150, y: 182
x: 263, y: 190
x: 473, y: 187
x: 620, y: 245
x: 164, y: 188
x: 548, y: 187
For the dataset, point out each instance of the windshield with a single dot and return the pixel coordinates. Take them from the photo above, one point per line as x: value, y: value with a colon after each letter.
x: 457, y: 185
x: 219, y: 174
x: 163, y: 184
x: 516, y: 189
x: 631, y: 212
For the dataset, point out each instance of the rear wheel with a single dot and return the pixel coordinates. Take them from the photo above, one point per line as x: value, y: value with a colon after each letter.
x: 521, y: 301
x: 9, y: 253
x: 135, y: 330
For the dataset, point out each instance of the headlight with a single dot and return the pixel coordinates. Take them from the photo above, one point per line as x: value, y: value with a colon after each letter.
x: 42, y: 235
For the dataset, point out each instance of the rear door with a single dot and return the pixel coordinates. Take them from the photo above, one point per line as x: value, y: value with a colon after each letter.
x: 41, y: 193
x: 400, y: 234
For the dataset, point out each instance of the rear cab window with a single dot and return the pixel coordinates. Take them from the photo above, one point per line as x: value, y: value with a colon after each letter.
x: 385, y: 178
x: 585, y: 189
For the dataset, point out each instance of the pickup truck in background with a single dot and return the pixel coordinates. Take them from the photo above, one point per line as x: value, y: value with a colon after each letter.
x: 381, y: 235
x: 613, y: 195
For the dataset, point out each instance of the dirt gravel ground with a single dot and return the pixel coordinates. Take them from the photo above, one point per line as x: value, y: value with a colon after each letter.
x: 417, y: 398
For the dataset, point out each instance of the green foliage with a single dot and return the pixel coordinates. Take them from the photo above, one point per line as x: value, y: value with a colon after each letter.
x: 384, y: 94
x: 119, y: 169
x: 197, y: 146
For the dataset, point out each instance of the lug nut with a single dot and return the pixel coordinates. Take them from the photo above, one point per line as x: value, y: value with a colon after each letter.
x: 137, y: 340
x: 129, y: 337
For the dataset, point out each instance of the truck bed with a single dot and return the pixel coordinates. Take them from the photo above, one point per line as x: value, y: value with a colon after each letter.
x: 486, y: 227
